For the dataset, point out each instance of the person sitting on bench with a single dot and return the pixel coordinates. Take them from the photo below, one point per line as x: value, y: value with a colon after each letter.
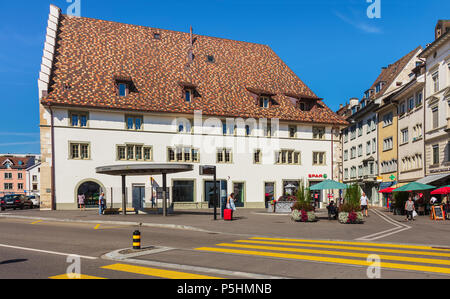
x: 332, y: 210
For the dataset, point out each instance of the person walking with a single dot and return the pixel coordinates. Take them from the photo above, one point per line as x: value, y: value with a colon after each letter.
x: 101, y: 204
x: 409, y: 208
x: 364, y: 201
x: 81, y: 204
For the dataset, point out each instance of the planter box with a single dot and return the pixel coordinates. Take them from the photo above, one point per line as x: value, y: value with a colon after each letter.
x: 296, y: 216
x: 343, y: 218
x: 281, y: 207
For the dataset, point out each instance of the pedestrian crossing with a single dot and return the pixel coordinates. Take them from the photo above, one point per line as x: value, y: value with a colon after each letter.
x: 392, y: 256
x: 140, y: 271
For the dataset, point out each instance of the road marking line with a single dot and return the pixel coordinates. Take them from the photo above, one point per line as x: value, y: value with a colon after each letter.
x: 156, y: 272
x: 399, y: 227
x: 48, y: 252
x: 353, y: 243
x: 80, y: 276
x: 330, y: 260
x: 366, y: 249
x: 97, y: 226
x: 36, y: 222
x: 341, y: 253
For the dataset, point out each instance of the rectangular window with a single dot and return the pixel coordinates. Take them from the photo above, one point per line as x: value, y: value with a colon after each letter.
x: 292, y: 131
x: 435, y: 78
x: 188, y: 95
x: 360, y: 128
x: 183, y: 191
x: 19, y: 186
x: 435, y: 117
x: 288, y: 157
x: 345, y: 135
x: 8, y: 186
x: 352, y: 132
x: 345, y: 155
x: 387, y: 119
x: 411, y: 104
x: 318, y: 132
x: 419, y: 97
x: 368, y: 148
x: 183, y: 154
x: 121, y: 150
x: 436, y: 154
x: 346, y: 173
x: 8, y: 176
x: 147, y: 153
x: 388, y: 144
x: 123, y: 89
x: 130, y: 152
x: 78, y: 119
x: 134, y: 122
x: 79, y: 151
x: 402, y: 108
x: 224, y: 156
x: 360, y: 150
x: 374, y: 145
x: 264, y: 102
x: 405, y: 137
x: 257, y: 157
x: 318, y: 158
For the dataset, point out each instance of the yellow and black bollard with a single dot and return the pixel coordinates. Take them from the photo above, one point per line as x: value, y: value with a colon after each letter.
x: 137, y: 240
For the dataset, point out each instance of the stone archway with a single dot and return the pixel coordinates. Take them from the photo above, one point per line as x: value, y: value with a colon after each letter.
x: 91, y: 189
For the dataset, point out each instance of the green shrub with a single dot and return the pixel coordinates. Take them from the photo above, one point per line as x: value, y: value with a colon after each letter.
x: 351, y: 199
x: 303, y: 202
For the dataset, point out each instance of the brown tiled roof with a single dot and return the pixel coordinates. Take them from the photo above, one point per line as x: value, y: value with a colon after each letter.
x: 16, y: 162
x: 91, y: 54
x: 389, y: 74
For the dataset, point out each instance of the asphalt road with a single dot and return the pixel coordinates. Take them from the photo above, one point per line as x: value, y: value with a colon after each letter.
x: 40, y: 249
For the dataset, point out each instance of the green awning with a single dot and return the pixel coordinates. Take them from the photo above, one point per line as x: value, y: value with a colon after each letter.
x: 329, y: 185
x: 414, y: 186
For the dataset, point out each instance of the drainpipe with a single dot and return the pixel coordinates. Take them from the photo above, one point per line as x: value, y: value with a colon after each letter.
x: 52, y: 126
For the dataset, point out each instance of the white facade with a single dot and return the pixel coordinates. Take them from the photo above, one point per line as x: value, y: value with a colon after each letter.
x: 33, y: 185
x: 437, y: 105
x: 106, y: 130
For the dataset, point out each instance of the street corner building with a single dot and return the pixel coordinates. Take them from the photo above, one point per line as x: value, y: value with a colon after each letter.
x: 119, y: 94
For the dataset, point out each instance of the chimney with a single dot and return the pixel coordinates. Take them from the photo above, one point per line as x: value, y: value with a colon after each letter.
x: 191, y: 47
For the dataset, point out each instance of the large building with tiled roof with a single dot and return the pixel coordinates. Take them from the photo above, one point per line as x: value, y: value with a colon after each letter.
x: 14, y: 175
x: 113, y: 93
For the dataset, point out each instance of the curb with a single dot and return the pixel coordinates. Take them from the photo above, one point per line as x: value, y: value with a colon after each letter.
x: 125, y: 223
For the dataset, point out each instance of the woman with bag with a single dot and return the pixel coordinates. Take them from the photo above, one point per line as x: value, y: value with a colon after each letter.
x: 410, y: 209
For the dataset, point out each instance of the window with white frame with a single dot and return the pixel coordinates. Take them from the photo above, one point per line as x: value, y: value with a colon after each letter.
x: 353, y: 152
x: 360, y: 128
x: 79, y: 151
x: 388, y: 143
x: 374, y: 145
x: 183, y: 154
x: 435, y: 78
x: 319, y: 158
x: 288, y: 157
x: 405, y: 136
x: 419, y: 98
x: 411, y: 103
x: 346, y: 155
x: 134, y: 152
x: 318, y: 132
x: 387, y: 119
x: 435, y: 117
x: 360, y: 150
x: 346, y: 173
x: 402, y: 108
x: 368, y: 148
x: 224, y: 156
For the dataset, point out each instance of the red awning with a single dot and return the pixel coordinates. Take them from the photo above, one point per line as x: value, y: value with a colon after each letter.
x: 443, y: 190
x: 387, y: 190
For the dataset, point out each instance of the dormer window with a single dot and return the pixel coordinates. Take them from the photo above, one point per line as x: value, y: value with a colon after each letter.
x: 157, y: 36
x: 264, y: 102
x: 123, y: 89
x: 188, y: 95
x: 210, y: 58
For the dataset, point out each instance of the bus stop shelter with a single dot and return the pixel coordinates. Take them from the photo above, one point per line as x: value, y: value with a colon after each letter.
x: 144, y: 170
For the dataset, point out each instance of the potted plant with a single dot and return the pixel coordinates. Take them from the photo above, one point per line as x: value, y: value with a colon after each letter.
x: 350, y: 211
x: 399, y: 204
x: 303, y: 210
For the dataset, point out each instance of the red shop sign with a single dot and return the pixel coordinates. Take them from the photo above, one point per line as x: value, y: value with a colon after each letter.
x: 316, y: 176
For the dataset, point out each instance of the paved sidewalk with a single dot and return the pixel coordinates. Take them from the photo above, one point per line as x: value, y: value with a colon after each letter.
x: 257, y: 222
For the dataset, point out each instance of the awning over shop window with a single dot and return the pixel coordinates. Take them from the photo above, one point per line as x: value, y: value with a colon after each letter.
x: 385, y: 185
x: 432, y: 178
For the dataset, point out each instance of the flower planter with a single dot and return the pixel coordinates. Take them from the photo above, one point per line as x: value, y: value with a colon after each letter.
x: 281, y: 207
x: 351, y: 218
x: 303, y: 216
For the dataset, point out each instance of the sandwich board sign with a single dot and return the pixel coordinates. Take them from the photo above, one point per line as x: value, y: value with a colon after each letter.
x: 437, y: 213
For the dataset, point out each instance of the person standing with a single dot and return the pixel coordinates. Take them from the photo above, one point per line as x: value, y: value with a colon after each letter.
x: 409, y: 208
x: 81, y: 199
x: 230, y: 202
x: 101, y: 204
x: 364, y: 201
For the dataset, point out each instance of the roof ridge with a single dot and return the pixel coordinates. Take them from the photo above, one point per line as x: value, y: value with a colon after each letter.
x: 169, y: 30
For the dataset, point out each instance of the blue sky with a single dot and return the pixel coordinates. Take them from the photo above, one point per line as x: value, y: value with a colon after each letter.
x: 331, y: 45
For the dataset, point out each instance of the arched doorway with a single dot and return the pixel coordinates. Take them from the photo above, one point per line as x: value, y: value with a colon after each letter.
x: 91, y: 191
